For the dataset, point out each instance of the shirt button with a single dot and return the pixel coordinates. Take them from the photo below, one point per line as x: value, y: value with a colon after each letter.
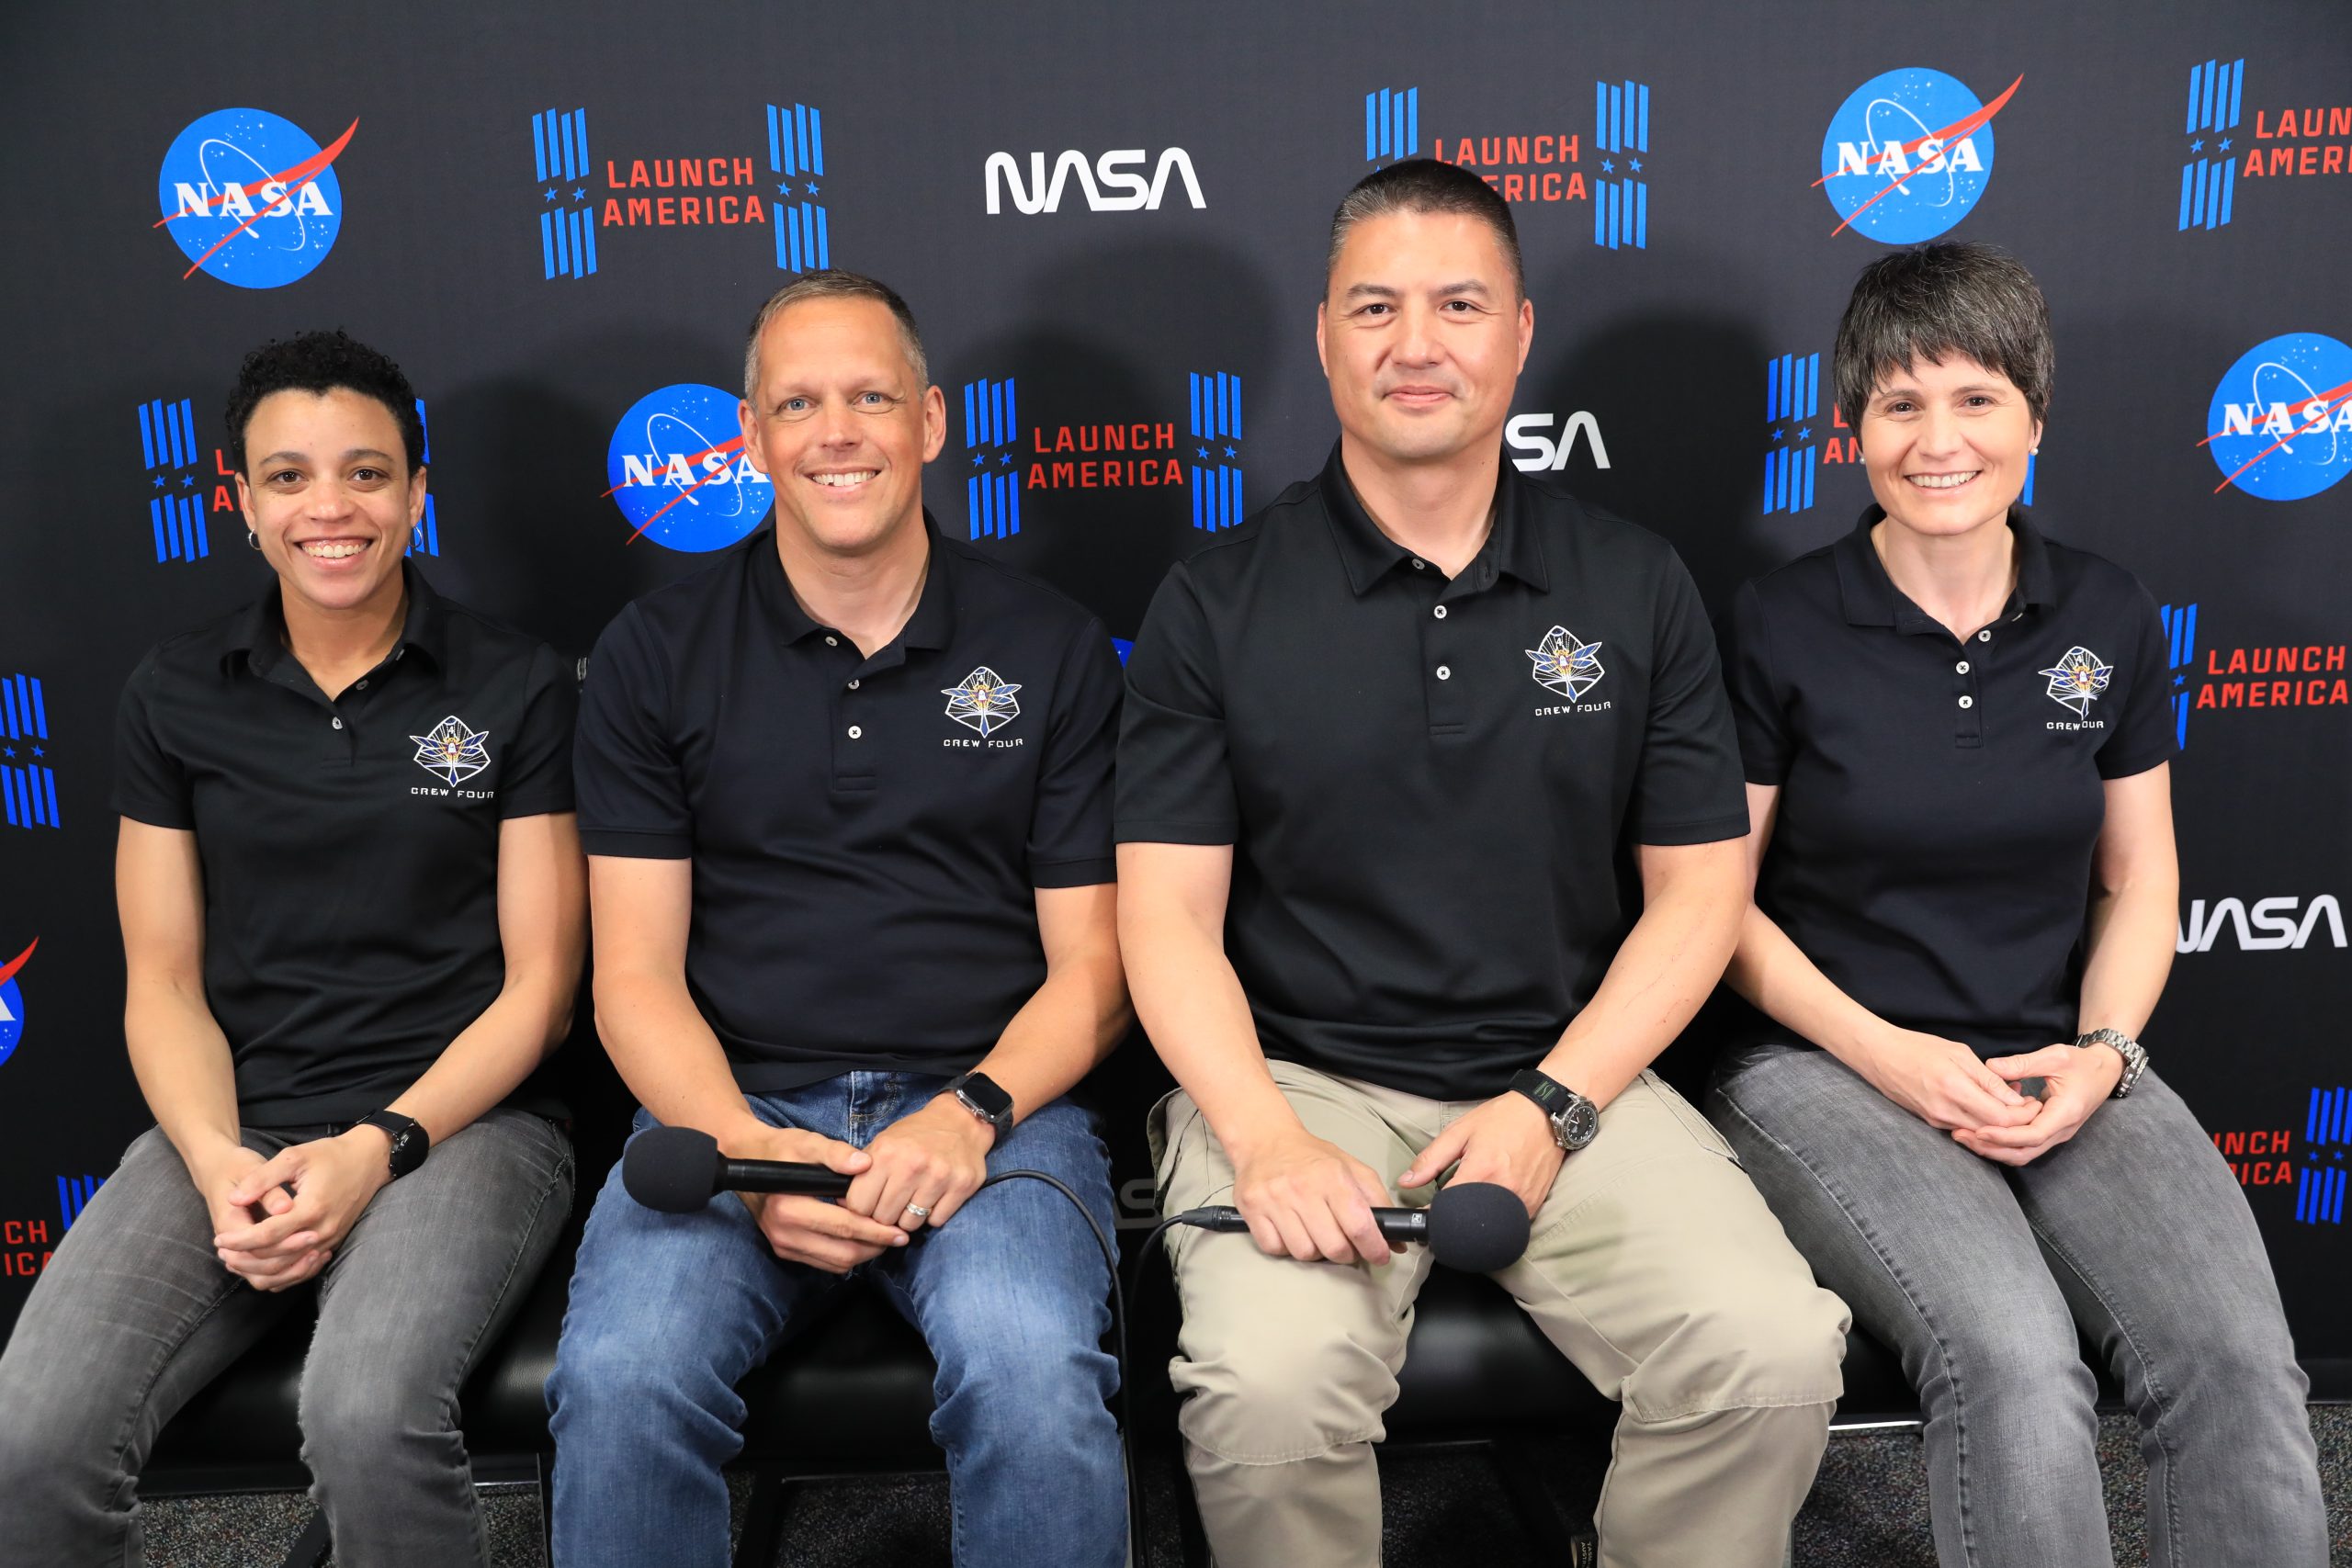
x: 338, y: 724
x: 1444, y: 672
x: 1962, y: 666
x: 832, y: 642
x: 1440, y: 611
x: 1419, y: 563
x: 855, y: 733
x: 363, y: 685
x: 1967, y: 702
x: 1984, y: 635
x: 853, y: 683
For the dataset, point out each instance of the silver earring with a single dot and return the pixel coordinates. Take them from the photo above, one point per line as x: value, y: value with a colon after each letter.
x: 253, y: 540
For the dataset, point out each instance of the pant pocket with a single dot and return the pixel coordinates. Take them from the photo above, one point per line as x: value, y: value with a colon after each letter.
x: 1702, y: 1131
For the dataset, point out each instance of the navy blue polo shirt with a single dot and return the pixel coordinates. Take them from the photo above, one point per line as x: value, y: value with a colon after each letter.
x: 867, y: 834
x: 349, y: 846
x: 1941, y: 796
x: 1432, y: 786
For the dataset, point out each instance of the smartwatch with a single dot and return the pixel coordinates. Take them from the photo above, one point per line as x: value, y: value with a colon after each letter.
x: 980, y: 1094
x: 409, y: 1142
x: 2134, y: 1054
x: 1574, y: 1119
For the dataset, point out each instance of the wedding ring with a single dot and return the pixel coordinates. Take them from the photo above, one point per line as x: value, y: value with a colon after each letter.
x: 918, y: 1210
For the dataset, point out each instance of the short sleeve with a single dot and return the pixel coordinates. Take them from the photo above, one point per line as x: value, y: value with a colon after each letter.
x: 537, y: 777
x: 1689, y: 789
x: 625, y: 766
x: 150, y: 784
x: 1070, y: 823
x: 2144, y: 730
x: 1757, y: 715
x: 1175, y: 776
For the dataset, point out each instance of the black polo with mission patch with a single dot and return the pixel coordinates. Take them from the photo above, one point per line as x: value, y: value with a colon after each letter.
x: 349, y: 846
x: 867, y: 834
x: 1941, y: 796
x: 1433, y: 787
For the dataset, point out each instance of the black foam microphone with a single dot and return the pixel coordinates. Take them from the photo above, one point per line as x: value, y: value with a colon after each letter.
x: 1475, y: 1226
x: 678, y: 1169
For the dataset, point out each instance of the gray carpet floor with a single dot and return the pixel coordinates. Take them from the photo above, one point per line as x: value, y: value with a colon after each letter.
x: 1442, y: 1507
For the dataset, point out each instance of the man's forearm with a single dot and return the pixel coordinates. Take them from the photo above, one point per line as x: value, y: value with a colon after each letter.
x: 1067, y: 1025
x: 1191, y: 1005
x: 667, y: 1055
x: 1669, y: 962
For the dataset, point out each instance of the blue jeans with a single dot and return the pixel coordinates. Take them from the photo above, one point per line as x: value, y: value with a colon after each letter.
x: 1980, y: 1273
x: 668, y: 1312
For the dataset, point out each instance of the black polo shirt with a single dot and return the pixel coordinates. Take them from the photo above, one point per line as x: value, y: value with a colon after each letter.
x: 1432, y: 786
x: 867, y: 834
x: 1941, y: 796
x: 349, y: 848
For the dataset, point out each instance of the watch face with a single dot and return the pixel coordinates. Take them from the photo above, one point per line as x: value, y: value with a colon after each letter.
x: 1577, y: 1124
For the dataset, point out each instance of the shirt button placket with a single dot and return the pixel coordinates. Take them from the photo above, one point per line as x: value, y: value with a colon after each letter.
x: 1969, y: 694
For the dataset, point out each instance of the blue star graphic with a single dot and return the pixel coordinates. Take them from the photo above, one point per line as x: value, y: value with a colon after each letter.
x: 812, y: 188
x: 1780, y: 436
x: 1607, y: 166
x: 1634, y: 165
x: 2225, y: 144
x: 7, y: 750
x: 578, y: 192
x: 1804, y: 433
x: 1231, y: 451
x: 1006, y: 459
x: 782, y: 188
x: 979, y: 459
x: 187, y: 482
x: 39, y: 753
x: 550, y: 193
x: 159, y: 481
x: 1203, y: 453
x: 2197, y: 145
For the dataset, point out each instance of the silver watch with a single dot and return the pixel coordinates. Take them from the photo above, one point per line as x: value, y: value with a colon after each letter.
x: 2135, y: 1056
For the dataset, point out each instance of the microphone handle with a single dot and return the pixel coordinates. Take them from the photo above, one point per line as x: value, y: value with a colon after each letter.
x: 780, y: 1176
x: 1395, y: 1224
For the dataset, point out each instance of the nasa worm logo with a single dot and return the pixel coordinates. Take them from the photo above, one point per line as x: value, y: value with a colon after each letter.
x: 251, y: 197
x: 2280, y: 427
x: 679, y: 473
x: 1908, y: 154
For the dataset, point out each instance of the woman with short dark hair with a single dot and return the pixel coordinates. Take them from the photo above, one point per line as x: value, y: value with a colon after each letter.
x: 353, y: 910
x: 1956, y: 734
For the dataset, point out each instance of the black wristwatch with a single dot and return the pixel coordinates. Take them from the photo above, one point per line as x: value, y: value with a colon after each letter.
x: 978, y: 1094
x: 411, y: 1143
x: 1574, y: 1118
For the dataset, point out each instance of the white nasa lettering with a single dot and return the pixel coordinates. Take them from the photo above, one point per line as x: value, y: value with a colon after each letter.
x: 1036, y: 196
x: 2274, y: 419
x: 1894, y: 162
x: 653, y: 468
x: 2275, y: 918
x: 1524, y: 434
x: 234, y: 202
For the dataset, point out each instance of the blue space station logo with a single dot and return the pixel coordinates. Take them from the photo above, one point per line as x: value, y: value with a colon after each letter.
x: 2327, y: 1136
x: 578, y: 209
x: 27, y: 787
x: 1908, y: 154
x: 251, y: 197
x: 73, y: 1195
x: 2286, y: 141
x: 183, y: 496
x: 12, y: 1002
x: 1003, y: 468
x: 679, y: 472
x: 1620, y: 196
x: 2280, y: 427
x: 1791, y: 417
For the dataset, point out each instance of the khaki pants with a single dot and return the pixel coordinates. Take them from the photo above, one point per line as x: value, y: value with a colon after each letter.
x: 1654, y: 1266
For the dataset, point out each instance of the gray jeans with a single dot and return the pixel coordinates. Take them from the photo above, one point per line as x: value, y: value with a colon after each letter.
x: 1979, y: 1273
x: 135, y: 1313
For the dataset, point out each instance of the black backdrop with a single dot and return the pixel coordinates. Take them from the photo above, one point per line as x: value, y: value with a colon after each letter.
x: 2176, y: 180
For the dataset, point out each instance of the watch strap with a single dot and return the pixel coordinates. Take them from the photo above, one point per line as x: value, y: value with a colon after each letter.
x: 2134, y: 1054
x: 409, y: 1140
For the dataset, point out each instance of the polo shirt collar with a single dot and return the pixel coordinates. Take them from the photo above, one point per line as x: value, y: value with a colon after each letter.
x: 1870, y: 599
x: 932, y: 624
x: 1513, y: 545
x: 259, y: 635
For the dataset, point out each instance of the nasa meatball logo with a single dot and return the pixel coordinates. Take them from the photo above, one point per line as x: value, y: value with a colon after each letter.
x: 12, y: 1003
x: 1908, y: 154
x: 2280, y: 427
x: 679, y: 472
x: 251, y: 197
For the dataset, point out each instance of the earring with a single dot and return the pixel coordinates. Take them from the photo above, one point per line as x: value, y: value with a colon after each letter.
x: 253, y: 540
